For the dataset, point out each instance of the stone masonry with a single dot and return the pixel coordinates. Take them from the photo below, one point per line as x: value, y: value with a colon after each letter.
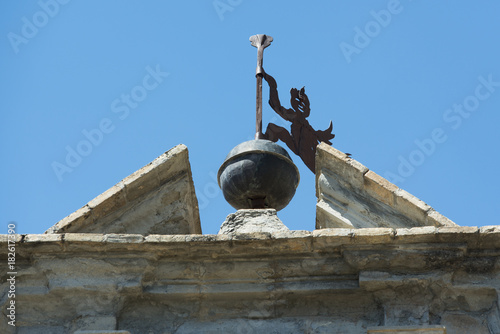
x: 326, y: 281
x: 134, y: 261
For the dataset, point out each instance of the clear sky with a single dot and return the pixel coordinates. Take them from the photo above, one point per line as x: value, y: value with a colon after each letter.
x: 94, y: 90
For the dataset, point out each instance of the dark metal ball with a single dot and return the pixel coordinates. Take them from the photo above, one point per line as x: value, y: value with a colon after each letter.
x: 258, y: 174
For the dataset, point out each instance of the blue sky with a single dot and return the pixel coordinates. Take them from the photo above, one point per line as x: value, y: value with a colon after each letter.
x: 412, y: 88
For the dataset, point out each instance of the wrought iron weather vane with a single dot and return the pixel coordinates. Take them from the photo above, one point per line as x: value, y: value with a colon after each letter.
x: 259, y: 173
x: 302, y: 138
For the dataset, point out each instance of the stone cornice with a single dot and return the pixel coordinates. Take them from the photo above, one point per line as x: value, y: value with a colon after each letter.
x: 290, y: 243
x: 326, y: 277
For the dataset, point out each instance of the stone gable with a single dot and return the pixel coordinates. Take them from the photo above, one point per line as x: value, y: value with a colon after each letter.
x: 352, y: 196
x: 157, y: 199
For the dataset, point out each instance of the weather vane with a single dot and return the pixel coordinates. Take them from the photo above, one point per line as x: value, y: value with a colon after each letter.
x: 302, y: 138
x: 260, y: 174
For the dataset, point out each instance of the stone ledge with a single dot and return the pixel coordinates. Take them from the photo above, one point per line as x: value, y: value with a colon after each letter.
x: 83, y: 237
x: 431, y: 234
x: 168, y: 238
x: 124, y: 238
x: 369, y: 235
x: 291, y: 234
x: 17, y: 238
x: 418, y: 233
x: 490, y: 236
x: 251, y: 236
x: 42, y: 238
x: 262, y: 243
x: 379, y: 235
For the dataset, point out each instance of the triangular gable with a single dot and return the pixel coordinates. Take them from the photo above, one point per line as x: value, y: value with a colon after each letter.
x: 157, y: 199
x: 352, y: 196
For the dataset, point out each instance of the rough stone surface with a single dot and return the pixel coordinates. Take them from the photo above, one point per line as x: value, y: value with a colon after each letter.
x: 408, y: 330
x: 458, y: 323
x: 252, y: 220
x: 157, y: 199
x: 96, y: 324
x: 101, y: 332
x: 351, y: 196
x: 326, y: 281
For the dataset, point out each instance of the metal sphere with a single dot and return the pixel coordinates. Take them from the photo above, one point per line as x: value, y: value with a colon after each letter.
x: 258, y: 174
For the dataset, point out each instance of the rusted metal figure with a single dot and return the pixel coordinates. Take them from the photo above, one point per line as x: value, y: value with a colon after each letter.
x: 302, y: 138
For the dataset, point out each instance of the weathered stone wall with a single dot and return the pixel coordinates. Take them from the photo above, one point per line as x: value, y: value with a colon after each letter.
x: 326, y: 281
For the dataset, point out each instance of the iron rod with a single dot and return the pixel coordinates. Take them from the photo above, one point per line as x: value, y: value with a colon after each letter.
x: 260, y: 42
x: 258, y: 124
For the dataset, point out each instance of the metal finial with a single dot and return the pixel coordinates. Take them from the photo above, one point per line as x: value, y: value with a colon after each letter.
x: 261, y: 42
